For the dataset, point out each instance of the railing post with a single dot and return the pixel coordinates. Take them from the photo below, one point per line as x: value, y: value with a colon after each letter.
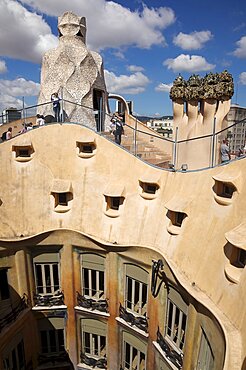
x: 213, y: 143
x: 23, y: 111
x: 135, y: 137
x: 175, y: 148
x: 62, y: 106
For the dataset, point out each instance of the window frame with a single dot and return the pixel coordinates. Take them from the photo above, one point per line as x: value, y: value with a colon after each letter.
x: 94, y: 264
x: 50, y: 260
x: 96, y: 330
x: 135, y: 344
x: 136, y: 275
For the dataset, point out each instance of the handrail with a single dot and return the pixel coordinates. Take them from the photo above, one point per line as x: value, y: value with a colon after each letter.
x: 174, y: 142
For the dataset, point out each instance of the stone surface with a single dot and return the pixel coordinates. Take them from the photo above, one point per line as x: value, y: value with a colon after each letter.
x: 74, y: 72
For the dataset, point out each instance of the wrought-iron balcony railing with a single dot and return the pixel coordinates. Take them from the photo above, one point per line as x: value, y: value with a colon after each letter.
x: 14, y: 313
x: 57, y: 299
x: 170, y: 353
x: 139, y: 321
x: 100, y: 363
x: 53, y: 358
x: 92, y: 304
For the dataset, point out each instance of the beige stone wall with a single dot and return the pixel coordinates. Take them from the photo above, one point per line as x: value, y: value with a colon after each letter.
x: 141, y: 231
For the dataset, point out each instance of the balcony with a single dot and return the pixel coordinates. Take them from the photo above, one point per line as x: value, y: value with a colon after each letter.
x: 49, y: 300
x: 92, y: 304
x: 139, y: 322
x: 175, y: 358
x: 14, y: 313
x: 100, y: 363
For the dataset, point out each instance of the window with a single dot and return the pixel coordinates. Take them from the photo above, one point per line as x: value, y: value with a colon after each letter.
x: 205, y: 358
x: 15, y: 360
x: 178, y: 218
x: 134, y: 353
x: 86, y: 149
x: 114, y: 202
x: 4, y: 287
x: 23, y: 153
x: 62, y: 193
x: 51, y: 331
x: 149, y: 188
x: 136, y: 289
x: 176, y: 318
x: 93, y: 276
x: 176, y: 324
x: 46, y: 268
x: 241, y: 257
x: 52, y: 341
x: 225, y: 188
x: 93, y: 338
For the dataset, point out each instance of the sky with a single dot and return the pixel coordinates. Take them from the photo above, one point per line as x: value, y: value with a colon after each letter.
x: 144, y: 45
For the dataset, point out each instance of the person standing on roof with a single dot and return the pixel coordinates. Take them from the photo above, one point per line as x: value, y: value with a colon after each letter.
x: 119, y: 129
x: 225, y: 152
x: 56, y: 106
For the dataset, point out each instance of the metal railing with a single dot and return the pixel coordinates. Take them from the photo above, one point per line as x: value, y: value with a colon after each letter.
x: 169, y: 154
x: 14, y: 313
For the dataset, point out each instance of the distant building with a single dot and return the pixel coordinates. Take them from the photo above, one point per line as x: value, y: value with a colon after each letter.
x: 10, y: 114
x: 237, y: 133
x: 162, y: 125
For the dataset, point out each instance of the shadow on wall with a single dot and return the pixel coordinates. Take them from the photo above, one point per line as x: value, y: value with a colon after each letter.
x: 39, y: 339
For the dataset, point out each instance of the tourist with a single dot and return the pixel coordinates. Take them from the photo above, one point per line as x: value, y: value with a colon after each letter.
x: 9, y: 134
x: 40, y: 120
x: 23, y: 130
x: 56, y: 105
x: 119, y: 130
x: 225, y: 152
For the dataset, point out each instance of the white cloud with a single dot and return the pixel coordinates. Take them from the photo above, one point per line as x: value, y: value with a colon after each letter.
x: 188, y: 63
x: 242, y: 78
x: 3, y: 67
x: 240, y: 51
x: 23, y: 35
x: 164, y: 87
x: 133, y: 84
x: 133, y: 68
x: 110, y: 24
x: 194, y: 40
x: 12, y: 90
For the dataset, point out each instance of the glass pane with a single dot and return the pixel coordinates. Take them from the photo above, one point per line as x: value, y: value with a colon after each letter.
x: 170, y: 314
x: 101, y: 283
x: 52, y: 334
x: 95, y: 344
x: 60, y: 335
x: 87, y: 348
x: 39, y: 279
x: 134, y: 358
x: 56, y: 277
x: 129, y: 292
x: 102, y: 346
x: 136, y: 296
x: 144, y: 297
x: 47, y: 278
x: 85, y: 282
x: 14, y: 362
x: 176, y: 325
x: 127, y: 355
x: 44, y: 342
x: 20, y: 350
x: 182, y: 339
x: 93, y: 283
x: 142, y: 361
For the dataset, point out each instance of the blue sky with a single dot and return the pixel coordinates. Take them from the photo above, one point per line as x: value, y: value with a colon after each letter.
x: 144, y: 45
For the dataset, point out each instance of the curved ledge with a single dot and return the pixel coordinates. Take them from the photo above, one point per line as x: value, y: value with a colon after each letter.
x: 173, y: 230
x: 61, y: 209
x: 86, y: 155
x: 112, y: 213
x: 148, y: 195
x: 23, y: 159
x: 233, y: 273
x: 222, y: 200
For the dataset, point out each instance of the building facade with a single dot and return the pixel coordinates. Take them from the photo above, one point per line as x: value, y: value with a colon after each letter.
x: 108, y: 267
